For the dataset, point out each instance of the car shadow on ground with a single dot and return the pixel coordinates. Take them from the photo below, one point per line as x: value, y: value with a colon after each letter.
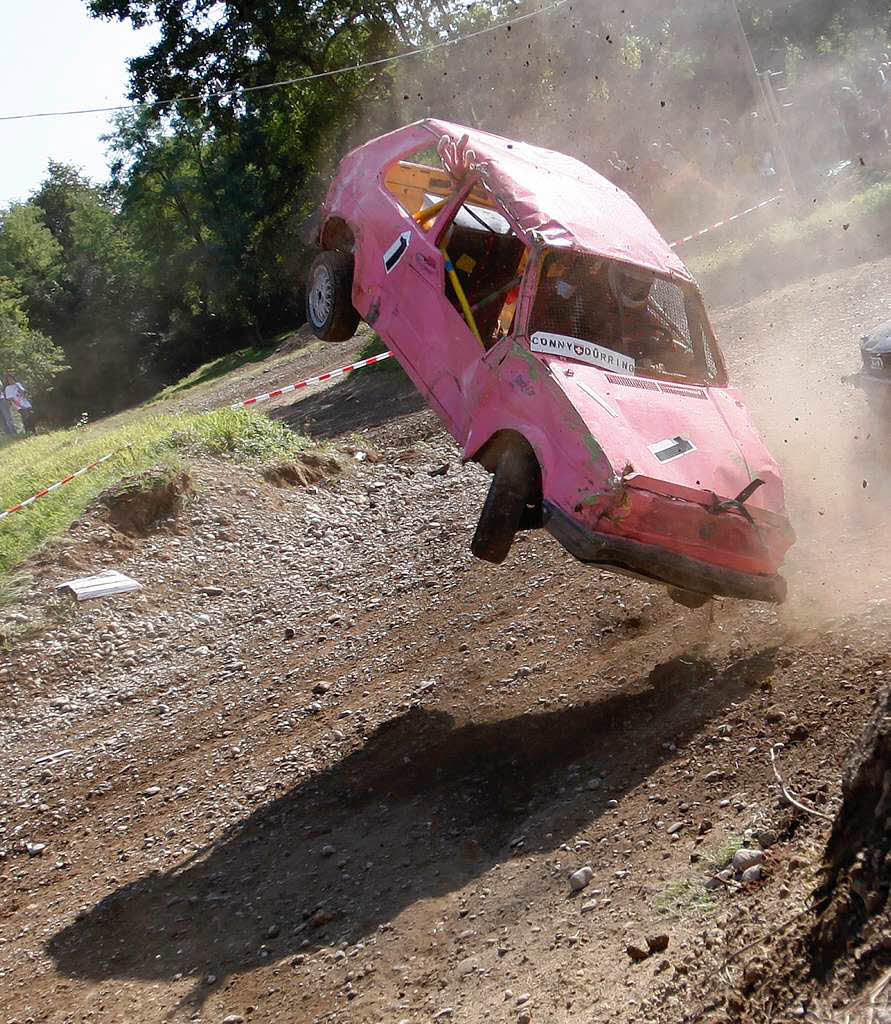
x: 420, y: 809
x: 365, y: 399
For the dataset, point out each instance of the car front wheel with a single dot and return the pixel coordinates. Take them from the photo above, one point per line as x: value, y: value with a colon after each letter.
x: 329, y: 303
x: 506, y: 504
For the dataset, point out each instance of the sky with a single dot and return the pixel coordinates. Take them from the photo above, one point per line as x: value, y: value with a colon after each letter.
x: 54, y: 56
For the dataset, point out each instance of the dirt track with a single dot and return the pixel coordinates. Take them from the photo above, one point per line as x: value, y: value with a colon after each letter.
x: 351, y: 785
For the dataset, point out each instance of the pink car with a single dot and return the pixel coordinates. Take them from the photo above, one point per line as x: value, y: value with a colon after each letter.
x: 565, y: 347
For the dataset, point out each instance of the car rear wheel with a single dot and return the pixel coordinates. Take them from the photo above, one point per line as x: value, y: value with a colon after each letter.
x: 506, y: 504
x: 329, y: 304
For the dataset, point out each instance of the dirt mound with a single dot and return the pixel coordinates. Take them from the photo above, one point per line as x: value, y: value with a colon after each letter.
x: 302, y: 471
x: 855, y: 911
x: 836, y: 955
x: 139, y: 503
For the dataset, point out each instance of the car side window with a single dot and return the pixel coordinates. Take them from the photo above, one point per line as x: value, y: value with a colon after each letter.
x: 412, y: 180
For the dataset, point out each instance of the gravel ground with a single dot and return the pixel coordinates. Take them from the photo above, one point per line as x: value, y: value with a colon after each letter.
x: 327, y: 766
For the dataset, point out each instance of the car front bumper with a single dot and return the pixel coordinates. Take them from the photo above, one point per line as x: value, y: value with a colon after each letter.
x: 657, y: 563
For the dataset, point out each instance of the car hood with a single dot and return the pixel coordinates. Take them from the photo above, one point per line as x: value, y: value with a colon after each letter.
x: 687, y: 438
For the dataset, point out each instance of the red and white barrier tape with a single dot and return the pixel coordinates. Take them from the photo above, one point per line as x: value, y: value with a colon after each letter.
x: 339, y: 372
x: 721, y: 223
x: 43, y: 492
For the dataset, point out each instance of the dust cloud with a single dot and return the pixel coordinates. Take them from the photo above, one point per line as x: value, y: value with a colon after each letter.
x: 664, y: 101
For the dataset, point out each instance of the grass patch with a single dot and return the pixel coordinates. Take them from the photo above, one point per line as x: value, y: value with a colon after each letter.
x: 13, y: 587
x: 374, y: 346
x: 688, y: 896
x: 230, y: 363
x: 140, y: 442
x: 217, y: 368
x: 865, y: 208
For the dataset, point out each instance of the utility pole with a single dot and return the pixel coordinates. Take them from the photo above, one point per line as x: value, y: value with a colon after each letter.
x: 761, y: 97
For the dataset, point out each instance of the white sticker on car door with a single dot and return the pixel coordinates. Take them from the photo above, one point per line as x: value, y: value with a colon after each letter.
x: 396, y: 251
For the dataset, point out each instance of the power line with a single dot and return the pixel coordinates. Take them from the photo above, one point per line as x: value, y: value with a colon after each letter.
x: 293, y: 81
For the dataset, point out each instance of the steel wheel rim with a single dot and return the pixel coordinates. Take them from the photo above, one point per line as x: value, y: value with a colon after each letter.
x: 321, y: 296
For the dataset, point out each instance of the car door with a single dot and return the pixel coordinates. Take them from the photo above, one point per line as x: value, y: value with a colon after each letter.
x: 432, y: 337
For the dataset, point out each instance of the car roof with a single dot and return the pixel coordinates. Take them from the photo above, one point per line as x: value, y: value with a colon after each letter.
x: 561, y: 199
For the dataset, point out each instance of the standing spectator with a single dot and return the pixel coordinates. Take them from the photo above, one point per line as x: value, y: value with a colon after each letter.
x: 6, y: 416
x: 14, y: 393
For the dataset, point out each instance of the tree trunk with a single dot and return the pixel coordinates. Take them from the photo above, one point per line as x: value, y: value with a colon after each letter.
x: 852, y: 901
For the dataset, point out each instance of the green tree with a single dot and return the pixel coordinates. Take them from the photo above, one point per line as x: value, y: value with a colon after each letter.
x: 33, y: 357
x: 32, y: 258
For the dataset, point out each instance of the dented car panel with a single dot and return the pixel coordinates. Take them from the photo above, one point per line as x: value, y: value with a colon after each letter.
x: 525, y: 295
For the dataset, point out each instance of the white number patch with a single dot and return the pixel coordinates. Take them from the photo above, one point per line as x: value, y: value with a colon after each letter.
x: 396, y: 251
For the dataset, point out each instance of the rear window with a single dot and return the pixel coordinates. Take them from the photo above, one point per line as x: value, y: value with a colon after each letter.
x: 632, y: 321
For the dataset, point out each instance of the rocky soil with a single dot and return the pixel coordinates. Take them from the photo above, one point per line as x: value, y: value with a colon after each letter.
x: 325, y: 766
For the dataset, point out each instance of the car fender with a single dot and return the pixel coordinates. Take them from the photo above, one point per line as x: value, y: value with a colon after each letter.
x: 524, y: 400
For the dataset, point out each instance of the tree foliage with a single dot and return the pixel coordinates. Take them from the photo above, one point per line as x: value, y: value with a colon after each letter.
x: 32, y: 356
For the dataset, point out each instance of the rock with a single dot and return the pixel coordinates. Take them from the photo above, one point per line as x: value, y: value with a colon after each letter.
x: 524, y: 1018
x: 705, y: 826
x: 35, y: 849
x: 321, y: 688
x: 289, y: 633
x: 714, y: 776
x: 636, y: 953
x: 722, y: 876
x: 657, y: 943
x: 328, y: 851
x: 746, y: 858
x: 523, y: 999
x: 233, y: 1018
x: 676, y: 827
x: 774, y: 714
x: 752, y: 874
x: 151, y: 791
x: 588, y: 906
x: 798, y: 732
x: 211, y: 591
x: 579, y: 879
x: 765, y: 838
x: 444, y: 1013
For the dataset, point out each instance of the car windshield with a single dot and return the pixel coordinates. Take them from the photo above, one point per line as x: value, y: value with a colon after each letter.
x: 622, y: 318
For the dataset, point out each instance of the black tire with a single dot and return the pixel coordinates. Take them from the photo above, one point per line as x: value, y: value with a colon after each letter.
x: 329, y: 297
x: 509, y: 494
